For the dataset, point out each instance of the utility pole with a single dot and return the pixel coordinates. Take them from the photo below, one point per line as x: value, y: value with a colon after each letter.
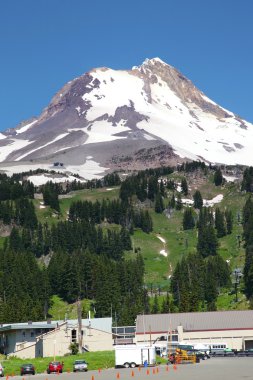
x: 79, y: 316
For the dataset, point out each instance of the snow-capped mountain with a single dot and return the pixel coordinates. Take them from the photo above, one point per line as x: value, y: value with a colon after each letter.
x: 108, y: 119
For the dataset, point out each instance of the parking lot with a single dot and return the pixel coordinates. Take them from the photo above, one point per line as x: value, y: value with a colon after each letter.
x: 214, y: 368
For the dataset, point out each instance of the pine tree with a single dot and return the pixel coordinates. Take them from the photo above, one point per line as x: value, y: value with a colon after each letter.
x: 159, y: 205
x: 197, y: 199
x: 218, y: 178
x: 229, y: 221
x: 184, y: 186
x: 172, y: 202
x: 155, y: 306
x: 247, y: 182
x: 207, y: 240
x: 220, y: 223
x: 179, y: 204
x: 188, y: 219
x: 166, y: 305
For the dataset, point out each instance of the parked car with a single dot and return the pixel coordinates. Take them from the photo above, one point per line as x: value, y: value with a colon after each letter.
x: 27, y: 369
x: 201, y: 355
x: 218, y: 353
x: 1, y: 370
x: 80, y: 365
x: 55, y: 367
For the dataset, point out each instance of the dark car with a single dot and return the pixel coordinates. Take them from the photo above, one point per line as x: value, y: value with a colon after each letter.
x: 56, y: 367
x: 27, y: 369
x: 201, y: 355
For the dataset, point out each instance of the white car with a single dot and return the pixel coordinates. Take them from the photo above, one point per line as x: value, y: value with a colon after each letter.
x: 80, y: 365
x: 1, y: 370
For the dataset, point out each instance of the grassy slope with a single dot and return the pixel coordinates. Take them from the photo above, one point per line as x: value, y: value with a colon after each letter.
x: 60, y: 309
x: 46, y: 214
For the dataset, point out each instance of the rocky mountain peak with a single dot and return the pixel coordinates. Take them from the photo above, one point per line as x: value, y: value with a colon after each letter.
x: 149, y: 116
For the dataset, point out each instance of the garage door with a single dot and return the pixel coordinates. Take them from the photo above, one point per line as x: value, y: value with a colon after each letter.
x: 248, y: 344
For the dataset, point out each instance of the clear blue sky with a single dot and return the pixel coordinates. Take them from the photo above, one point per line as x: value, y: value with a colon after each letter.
x: 45, y: 43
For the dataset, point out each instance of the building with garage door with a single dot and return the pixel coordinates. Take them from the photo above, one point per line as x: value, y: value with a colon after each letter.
x: 233, y: 328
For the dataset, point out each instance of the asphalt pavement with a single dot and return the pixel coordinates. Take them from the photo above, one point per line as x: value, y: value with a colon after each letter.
x: 212, y: 369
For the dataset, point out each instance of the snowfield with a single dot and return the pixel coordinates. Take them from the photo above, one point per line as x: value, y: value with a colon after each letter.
x: 87, y: 171
x: 15, y: 144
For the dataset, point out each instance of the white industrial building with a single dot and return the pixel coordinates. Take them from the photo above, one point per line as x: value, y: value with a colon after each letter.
x: 235, y: 328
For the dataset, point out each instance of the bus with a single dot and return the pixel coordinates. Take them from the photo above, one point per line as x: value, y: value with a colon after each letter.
x: 208, y: 347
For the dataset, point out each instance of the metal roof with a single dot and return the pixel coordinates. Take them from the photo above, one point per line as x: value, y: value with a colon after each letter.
x: 198, y: 321
x: 103, y: 324
x: 27, y: 326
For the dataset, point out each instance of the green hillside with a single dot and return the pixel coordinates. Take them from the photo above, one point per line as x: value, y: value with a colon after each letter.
x: 79, y: 243
x: 178, y: 243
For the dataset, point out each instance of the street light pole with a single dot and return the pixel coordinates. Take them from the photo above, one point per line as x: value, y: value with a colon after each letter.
x: 54, y: 348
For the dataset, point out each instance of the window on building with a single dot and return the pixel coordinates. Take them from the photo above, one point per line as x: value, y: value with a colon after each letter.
x: 73, y: 336
x: 32, y: 334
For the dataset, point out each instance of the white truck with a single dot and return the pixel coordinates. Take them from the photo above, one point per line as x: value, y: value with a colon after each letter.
x: 134, y: 355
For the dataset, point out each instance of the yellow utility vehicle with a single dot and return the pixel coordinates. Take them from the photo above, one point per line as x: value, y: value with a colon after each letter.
x: 182, y: 356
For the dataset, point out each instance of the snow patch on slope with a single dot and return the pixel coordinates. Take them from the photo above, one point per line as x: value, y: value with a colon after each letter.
x: 14, y: 144
x: 41, y: 179
x: 120, y: 87
x: 25, y: 127
x: 102, y: 131
x: 91, y: 169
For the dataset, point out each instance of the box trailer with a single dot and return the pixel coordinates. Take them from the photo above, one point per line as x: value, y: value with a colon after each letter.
x: 134, y: 355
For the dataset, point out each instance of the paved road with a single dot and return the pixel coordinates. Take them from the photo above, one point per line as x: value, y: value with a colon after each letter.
x: 213, y: 369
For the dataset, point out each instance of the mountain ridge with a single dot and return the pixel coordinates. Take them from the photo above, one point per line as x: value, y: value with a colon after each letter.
x: 108, y: 117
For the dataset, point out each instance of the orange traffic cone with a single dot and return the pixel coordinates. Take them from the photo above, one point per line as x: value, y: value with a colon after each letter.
x: 118, y: 375
x: 147, y: 372
x: 157, y: 369
x: 92, y: 377
x: 174, y: 367
x: 139, y: 369
x: 132, y: 374
x: 99, y: 370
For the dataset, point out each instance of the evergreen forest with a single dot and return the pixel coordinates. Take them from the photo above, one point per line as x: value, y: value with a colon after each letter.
x: 151, y: 243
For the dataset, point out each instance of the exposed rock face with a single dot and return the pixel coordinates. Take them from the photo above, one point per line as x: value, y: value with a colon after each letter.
x: 149, y: 116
